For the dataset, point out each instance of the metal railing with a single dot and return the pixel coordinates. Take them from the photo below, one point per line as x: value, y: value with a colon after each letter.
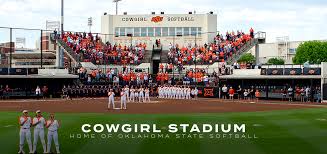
x: 242, y: 50
x: 259, y: 37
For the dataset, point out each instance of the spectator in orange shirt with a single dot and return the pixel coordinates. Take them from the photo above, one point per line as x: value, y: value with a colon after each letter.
x: 257, y: 95
x: 231, y: 93
x: 170, y: 68
x: 161, y: 67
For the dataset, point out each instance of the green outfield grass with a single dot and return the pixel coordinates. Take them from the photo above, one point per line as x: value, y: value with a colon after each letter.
x: 293, y: 131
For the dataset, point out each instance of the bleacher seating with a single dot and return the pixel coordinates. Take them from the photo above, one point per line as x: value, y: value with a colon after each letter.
x: 218, y: 51
x: 92, y: 49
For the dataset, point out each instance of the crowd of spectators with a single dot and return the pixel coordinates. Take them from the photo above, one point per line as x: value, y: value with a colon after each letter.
x: 6, y: 92
x: 218, y: 51
x: 299, y: 93
x: 112, y: 75
x: 90, y: 48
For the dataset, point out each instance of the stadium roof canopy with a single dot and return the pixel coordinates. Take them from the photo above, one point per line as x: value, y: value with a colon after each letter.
x: 32, y: 55
x: 68, y: 76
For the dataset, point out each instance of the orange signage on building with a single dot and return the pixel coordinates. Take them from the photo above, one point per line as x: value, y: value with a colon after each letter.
x: 157, y: 19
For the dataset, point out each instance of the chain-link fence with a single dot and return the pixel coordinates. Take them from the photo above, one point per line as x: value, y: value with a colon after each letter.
x: 24, y: 50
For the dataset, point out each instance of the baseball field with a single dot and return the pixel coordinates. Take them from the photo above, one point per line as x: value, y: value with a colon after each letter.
x: 272, y: 128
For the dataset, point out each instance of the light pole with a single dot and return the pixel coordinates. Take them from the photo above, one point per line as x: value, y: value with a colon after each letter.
x: 62, y: 18
x: 174, y: 46
x: 116, y: 1
x: 131, y: 36
x: 90, y: 23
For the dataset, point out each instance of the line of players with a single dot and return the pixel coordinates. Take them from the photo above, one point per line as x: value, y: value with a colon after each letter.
x: 39, y: 123
x: 129, y: 95
x: 177, y: 92
x: 84, y: 91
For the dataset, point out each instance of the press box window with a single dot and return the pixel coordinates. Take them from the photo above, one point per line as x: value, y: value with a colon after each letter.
x: 137, y: 31
x: 199, y: 31
x: 150, y: 31
x: 172, y: 31
x: 186, y: 31
x: 144, y: 32
x: 158, y: 31
x: 165, y: 31
x: 122, y: 31
x: 179, y: 31
x: 193, y: 31
x: 129, y: 31
x: 117, y: 31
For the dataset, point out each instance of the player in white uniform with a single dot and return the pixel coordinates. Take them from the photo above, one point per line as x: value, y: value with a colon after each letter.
x: 127, y: 92
x: 196, y: 92
x: 25, y: 124
x: 167, y: 92
x: 159, y: 92
x: 52, y: 125
x: 111, y: 96
x: 141, y: 94
x: 123, y: 97
x: 188, y: 93
x: 176, y: 92
x: 180, y: 92
x: 136, y: 94
x: 132, y: 96
x: 162, y: 92
x: 147, y: 94
x: 39, y: 123
x: 172, y: 92
x: 184, y: 92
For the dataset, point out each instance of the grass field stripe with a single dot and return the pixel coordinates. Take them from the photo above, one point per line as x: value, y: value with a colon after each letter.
x: 279, y: 138
x: 301, y: 130
x: 277, y: 115
x: 250, y: 145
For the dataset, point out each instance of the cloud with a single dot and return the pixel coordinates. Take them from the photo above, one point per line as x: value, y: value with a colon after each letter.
x: 301, y: 20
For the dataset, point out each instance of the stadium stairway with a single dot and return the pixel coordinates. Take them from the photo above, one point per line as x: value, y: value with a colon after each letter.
x: 164, y: 56
x: 157, y: 53
x: 147, y: 56
x: 68, y: 51
x: 260, y: 37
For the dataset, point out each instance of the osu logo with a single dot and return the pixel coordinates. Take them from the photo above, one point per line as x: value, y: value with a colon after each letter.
x: 208, y: 92
x: 274, y: 72
x: 292, y: 72
x: 157, y: 19
x: 312, y: 71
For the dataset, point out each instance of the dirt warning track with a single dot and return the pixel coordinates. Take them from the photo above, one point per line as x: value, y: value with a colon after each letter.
x: 157, y: 106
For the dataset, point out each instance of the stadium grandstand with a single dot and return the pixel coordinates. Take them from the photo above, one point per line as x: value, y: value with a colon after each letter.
x: 150, y: 50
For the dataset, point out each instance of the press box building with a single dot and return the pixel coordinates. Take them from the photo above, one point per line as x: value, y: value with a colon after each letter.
x: 180, y: 29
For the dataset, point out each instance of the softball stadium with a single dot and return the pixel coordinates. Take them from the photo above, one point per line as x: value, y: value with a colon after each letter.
x: 157, y: 70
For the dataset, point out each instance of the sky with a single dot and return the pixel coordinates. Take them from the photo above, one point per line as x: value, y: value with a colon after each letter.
x: 299, y: 19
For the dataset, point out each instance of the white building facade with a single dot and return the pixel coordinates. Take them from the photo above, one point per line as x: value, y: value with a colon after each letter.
x: 283, y: 50
x: 182, y: 29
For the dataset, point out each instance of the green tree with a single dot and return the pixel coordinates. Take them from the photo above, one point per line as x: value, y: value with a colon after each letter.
x: 276, y: 61
x: 313, y: 51
x: 246, y: 58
